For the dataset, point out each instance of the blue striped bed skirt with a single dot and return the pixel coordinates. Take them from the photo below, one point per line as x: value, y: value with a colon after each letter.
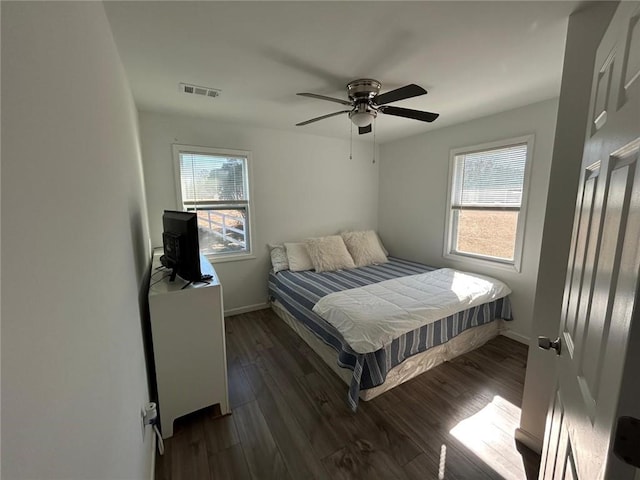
x: 298, y: 292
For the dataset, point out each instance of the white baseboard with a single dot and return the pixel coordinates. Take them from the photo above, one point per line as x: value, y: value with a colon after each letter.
x: 518, y: 337
x: 530, y: 441
x: 246, y: 309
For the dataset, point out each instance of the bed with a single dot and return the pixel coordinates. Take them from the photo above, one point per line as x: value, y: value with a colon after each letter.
x: 293, y: 296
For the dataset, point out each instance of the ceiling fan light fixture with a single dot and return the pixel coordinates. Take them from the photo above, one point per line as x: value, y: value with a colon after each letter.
x: 361, y: 119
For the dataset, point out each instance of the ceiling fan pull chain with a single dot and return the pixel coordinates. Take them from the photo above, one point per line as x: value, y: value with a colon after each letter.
x: 351, y: 143
x: 374, y: 141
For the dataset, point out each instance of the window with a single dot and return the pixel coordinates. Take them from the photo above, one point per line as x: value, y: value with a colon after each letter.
x: 215, y: 184
x: 487, y: 199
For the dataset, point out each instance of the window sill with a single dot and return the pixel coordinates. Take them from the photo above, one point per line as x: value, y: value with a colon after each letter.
x: 230, y: 258
x: 482, y: 261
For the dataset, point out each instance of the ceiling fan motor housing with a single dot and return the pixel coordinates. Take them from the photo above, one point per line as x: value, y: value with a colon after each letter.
x: 363, y: 89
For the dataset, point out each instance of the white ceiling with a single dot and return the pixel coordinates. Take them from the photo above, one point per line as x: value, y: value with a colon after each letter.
x: 475, y: 58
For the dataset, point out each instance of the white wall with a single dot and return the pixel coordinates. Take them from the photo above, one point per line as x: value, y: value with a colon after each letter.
x: 413, y: 192
x: 584, y: 33
x: 74, y: 250
x: 302, y: 185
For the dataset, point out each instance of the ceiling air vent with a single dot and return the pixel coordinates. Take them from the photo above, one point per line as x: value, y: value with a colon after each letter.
x: 196, y: 90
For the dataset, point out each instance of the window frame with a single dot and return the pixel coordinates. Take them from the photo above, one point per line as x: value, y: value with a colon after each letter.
x: 249, y: 225
x: 450, y: 229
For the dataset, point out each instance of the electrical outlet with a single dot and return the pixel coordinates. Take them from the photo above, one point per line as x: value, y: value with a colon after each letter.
x: 150, y: 415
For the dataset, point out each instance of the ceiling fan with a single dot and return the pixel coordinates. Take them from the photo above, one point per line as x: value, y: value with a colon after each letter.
x: 365, y: 102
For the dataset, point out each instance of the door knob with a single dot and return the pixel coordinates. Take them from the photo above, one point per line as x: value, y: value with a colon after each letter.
x: 546, y: 344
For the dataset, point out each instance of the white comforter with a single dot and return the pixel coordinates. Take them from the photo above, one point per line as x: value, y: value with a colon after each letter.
x: 372, y: 316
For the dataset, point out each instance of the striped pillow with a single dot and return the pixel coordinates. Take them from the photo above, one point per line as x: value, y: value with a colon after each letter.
x: 279, y: 260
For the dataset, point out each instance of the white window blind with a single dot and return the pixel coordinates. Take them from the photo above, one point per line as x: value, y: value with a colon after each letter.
x: 491, y: 179
x: 211, y: 180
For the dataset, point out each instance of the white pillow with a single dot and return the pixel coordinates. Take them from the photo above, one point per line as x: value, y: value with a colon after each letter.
x: 329, y: 253
x: 279, y: 260
x: 386, y: 253
x: 365, y: 248
x: 298, y: 257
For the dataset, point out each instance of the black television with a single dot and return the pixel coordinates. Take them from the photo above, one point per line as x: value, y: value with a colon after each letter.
x: 181, y: 245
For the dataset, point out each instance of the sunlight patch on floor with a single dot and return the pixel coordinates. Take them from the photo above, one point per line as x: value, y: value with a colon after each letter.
x: 487, y: 432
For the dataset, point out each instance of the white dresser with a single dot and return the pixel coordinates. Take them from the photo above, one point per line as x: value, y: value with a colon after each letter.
x: 187, y: 327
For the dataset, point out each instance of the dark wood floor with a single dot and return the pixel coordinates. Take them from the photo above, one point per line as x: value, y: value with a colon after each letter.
x: 290, y: 419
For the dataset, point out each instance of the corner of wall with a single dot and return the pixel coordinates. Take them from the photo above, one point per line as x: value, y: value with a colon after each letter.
x: 584, y: 32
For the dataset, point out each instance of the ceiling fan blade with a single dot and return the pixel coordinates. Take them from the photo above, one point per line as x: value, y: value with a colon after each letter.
x: 409, y: 113
x: 408, y: 91
x: 321, y: 118
x: 322, y: 97
x: 363, y: 130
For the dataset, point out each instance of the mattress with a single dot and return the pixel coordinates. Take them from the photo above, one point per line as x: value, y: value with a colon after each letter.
x: 298, y: 292
x: 412, y: 367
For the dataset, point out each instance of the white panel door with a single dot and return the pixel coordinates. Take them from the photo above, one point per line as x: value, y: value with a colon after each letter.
x: 600, y: 325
